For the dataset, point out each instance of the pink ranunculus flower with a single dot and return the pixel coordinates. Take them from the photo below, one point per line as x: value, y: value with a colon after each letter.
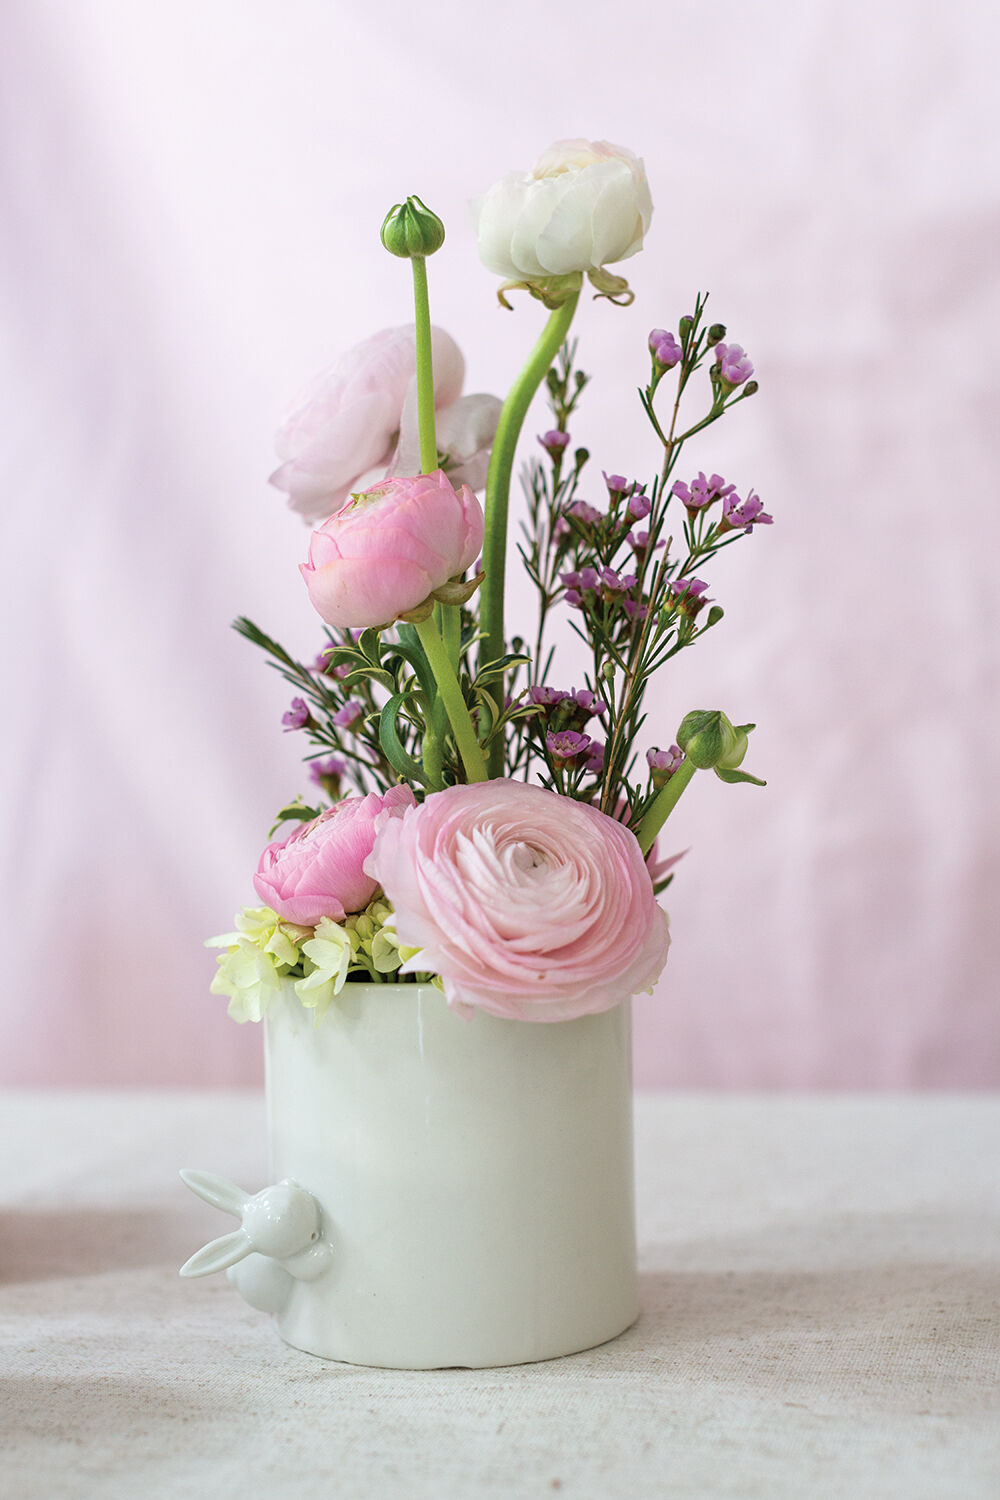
x: 360, y: 417
x: 389, y: 548
x: 319, y: 871
x: 529, y: 905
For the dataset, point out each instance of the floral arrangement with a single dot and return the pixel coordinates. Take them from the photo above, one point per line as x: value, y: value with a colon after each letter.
x: 477, y: 822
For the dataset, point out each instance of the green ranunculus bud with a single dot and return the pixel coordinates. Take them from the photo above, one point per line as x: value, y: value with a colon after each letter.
x: 411, y: 231
x: 709, y: 740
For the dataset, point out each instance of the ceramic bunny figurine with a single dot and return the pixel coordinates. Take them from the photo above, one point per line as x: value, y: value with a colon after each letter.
x: 278, y: 1240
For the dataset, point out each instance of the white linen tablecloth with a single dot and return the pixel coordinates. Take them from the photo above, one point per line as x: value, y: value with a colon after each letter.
x: 819, y: 1291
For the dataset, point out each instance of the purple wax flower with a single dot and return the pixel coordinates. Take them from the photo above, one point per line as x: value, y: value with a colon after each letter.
x: 615, y: 583
x: 565, y: 745
x: 297, y: 716
x: 588, y: 701
x: 347, y: 717
x: 560, y: 529
x: 664, y: 348
x: 570, y: 580
x: 546, y: 697
x: 574, y: 598
x: 634, y: 610
x: 617, y: 485
x: 595, y: 757
x: 331, y: 768
x: 734, y: 365
x: 639, y: 506
x: 701, y: 491
x: 589, y: 579
x: 692, y: 586
x: 322, y: 662
x: 584, y: 512
x: 639, y: 542
x: 746, y: 513
x: 554, y: 441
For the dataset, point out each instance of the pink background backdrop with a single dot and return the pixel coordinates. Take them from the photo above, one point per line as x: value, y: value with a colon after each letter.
x: 191, y: 199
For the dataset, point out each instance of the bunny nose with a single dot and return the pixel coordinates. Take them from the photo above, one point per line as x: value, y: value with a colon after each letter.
x: 282, y: 1220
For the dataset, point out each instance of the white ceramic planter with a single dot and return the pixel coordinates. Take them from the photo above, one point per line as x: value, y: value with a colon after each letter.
x: 473, y: 1178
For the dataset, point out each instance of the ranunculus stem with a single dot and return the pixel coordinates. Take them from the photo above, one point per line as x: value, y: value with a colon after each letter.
x: 425, y: 368
x: 666, y: 800
x: 512, y: 417
x: 451, y: 697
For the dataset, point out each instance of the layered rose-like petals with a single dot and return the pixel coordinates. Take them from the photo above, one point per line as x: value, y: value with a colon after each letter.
x: 319, y: 870
x: 529, y: 905
x: 360, y: 416
x: 389, y: 548
x: 585, y: 205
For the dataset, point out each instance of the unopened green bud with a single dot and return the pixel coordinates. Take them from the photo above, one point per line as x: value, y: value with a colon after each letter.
x: 685, y: 325
x: 411, y: 231
x: 709, y: 740
x: 751, y: 388
x: 716, y: 332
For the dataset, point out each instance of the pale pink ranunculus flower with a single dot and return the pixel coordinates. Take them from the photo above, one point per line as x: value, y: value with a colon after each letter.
x: 360, y: 417
x: 389, y: 548
x: 319, y: 870
x: 586, y: 204
x: 530, y: 905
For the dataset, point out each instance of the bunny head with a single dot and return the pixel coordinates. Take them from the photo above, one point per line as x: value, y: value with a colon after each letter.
x: 281, y: 1221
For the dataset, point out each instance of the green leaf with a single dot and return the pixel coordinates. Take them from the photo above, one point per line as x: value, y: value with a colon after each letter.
x: 400, y: 759
x: 724, y: 774
x: 294, y: 812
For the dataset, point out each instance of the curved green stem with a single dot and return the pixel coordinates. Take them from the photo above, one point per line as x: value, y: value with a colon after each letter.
x: 666, y: 800
x: 451, y: 697
x: 512, y: 417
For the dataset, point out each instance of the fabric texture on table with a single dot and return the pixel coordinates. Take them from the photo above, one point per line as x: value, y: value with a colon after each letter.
x: 819, y: 1293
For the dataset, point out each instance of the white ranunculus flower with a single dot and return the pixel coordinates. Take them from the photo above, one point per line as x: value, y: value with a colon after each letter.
x: 585, y: 205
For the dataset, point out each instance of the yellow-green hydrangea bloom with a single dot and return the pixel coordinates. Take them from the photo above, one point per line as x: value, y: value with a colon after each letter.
x: 330, y: 952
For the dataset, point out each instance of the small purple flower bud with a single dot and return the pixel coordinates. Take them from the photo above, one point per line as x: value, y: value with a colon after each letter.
x: 584, y: 512
x: 347, y: 717
x: 639, y: 506
x: 734, y: 365
x: 566, y: 745
x: 656, y: 336
x: 297, y: 716
x: 617, y: 485
x: 554, y: 441
x: 574, y: 598
x: 667, y: 352
x: 663, y: 764
x: 570, y: 580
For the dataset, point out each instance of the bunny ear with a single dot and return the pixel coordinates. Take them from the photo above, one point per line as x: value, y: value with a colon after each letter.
x: 217, y: 1191
x: 218, y: 1254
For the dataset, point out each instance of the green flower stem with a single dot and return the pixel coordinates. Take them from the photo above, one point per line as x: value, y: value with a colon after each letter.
x: 451, y: 696
x: 666, y: 800
x: 515, y: 409
x: 425, y: 368
x: 450, y: 626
